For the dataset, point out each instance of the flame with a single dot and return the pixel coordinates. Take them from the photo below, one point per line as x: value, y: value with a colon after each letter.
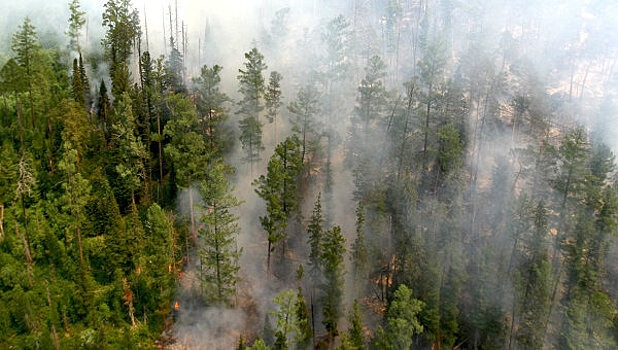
x: 176, y: 305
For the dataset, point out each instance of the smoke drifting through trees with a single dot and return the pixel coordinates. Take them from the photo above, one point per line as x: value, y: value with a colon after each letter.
x: 439, y: 172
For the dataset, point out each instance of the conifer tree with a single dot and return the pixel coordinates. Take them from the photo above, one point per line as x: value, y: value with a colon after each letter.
x: 315, y: 231
x: 331, y: 259
x: 123, y: 32
x: 304, y: 109
x: 129, y: 148
x: 26, y: 45
x: 250, y: 106
x: 77, y: 83
x: 272, y: 99
x: 354, y: 337
x: 534, y: 285
x: 186, y: 149
x: 359, y: 254
x: 76, y: 23
x: 104, y: 109
x: 219, y: 251
x: 212, y: 109
x: 402, y: 321
x: 305, y: 333
x: 279, y: 189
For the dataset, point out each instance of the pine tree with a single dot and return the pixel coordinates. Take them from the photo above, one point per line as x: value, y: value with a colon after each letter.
x: 372, y: 94
x: 402, y: 321
x: 354, y: 337
x: 304, y: 109
x: 186, y: 150
x: 336, y: 37
x: 279, y: 189
x: 76, y: 23
x: 331, y: 260
x: 104, y: 110
x: 77, y: 83
x: 272, y: 99
x: 303, y: 338
x: 211, y: 106
x: 85, y: 82
x: 123, y: 32
x: 359, y: 254
x: 252, y: 90
x: 129, y: 148
x: 534, y: 283
x: 219, y: 251
x: 175, y: 70
x: 26, y: 45
x: 315, y: 231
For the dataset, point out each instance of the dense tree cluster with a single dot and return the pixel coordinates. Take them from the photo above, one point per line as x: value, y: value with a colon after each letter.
x: 423, y: 187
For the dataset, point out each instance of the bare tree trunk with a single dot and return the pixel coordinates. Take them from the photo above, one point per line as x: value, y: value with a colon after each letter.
x: 581, y: 92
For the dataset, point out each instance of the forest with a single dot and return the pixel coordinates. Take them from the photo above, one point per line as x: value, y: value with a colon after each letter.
x: 312, y: 174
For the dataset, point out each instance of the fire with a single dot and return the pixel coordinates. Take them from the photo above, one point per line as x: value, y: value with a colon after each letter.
x: 176, y: 305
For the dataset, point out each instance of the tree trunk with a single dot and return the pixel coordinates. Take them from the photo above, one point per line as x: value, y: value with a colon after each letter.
x: 160, y: 155
x: 53, y: 326
x: 426, y: 137
x: 21, y: 128
x: 31, y: 105
x: 268, y: 258
x: 192, y: 216
x: 79, y: 244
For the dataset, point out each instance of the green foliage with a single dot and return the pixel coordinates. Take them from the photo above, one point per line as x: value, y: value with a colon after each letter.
x: 251, y: 138
x: 372, y: 93
x: 331, y: 260
x: 272, y: 95
x: 315, y: 230
x: 219, y: 251
x: 251, y: 88
x: 129, y: 147
x: 278, y: 188
x: 211, y: 106
x: 287, y: 324
x: 174, y: 70
x: 259, y: 344
x: 354, y: 338
x: 123, y: 28
x: 402, y: 321
x: 252, y: 83
x: 304, y: 110
x: 187, y: 149
x: 336, y: 37
x: 26, y: 46
x: 305, y: 333
x: 359, y: 253
x: 76, y: 22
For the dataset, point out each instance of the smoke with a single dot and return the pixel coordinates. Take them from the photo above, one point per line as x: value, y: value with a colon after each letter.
x: 524, y: 42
